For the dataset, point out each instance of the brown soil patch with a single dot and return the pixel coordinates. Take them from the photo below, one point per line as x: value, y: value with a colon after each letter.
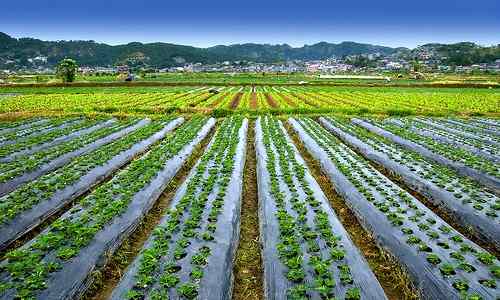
x: 253, y: 101
x: 271, y: 101
x: 248, y: 270
x: 289, y: 101
x: 236, y: 100
x: 392, y: 276
x: 218, y: 100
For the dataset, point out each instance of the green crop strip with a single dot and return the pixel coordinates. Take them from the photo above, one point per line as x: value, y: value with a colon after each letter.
x: 306, y: 99
x: 453, y: 153
x: 159, y: 263
x: 33, y: 130
x: 46, y: 137
x: 294, y: 228
x: 464, y: 190
x: 43, y: 188
x: 457, y: 138
x: 27, y: 269
x: 400, y: 209
x: 28, y: 163
x: 23, y: 122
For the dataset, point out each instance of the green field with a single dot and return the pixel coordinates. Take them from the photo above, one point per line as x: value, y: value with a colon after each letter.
x: 252, y: 100
x: 332, y: 192
x: 266, y: 78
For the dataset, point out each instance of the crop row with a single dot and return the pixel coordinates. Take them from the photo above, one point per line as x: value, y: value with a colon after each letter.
x: 46, y: 137
x: 103, y: 176
x: 443, y: 263
x: 465, y: 162
x: 471, y: 204
x: 37, y: 200
x: 36, y: 129
x: 191, y: 251
x: 27, y: 167
x: 321, y: 99
x: 8, y: 126
x: 306, y: 251
x: 430, y: 128
x: 490, y: 134
x: 489, y: 124
x: 82, y: 238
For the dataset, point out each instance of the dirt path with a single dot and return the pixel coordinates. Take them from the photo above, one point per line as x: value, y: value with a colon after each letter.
x: 253, y: 101
x: 236, y: 100
x: 271, y: 101
x: 248, y: 270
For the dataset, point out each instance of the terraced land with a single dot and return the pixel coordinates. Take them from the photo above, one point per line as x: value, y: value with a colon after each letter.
x: 250, y: 192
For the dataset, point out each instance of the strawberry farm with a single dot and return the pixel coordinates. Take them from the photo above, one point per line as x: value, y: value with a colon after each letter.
x: 249, y: 192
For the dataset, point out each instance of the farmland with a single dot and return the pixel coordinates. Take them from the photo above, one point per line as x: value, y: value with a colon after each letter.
x: 249, y: 192
x: 252, y: 100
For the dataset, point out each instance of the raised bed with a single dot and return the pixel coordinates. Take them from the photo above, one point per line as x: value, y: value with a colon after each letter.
x: 7, y: 126
x: 307, y: 254
x: 191, y: 252
x: 36, y: 130
x: 442, y: 263
x: 475, y: 146
x: 491, y: 123
x: 58, y: 263
x: 27, y: 207
x: 20, y: 171
x: 481, y: 130
x: 466, y: 132
x: 466, y: 201
x: 464, y: 164
x: 50, y: 139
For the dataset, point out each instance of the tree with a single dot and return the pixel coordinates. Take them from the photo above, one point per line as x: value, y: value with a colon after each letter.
x: 66, y: 70
x: 416, y: 65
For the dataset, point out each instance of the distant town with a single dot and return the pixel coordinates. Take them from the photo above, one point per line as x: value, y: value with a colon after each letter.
x: 430, y: 58
x: 354, y: 64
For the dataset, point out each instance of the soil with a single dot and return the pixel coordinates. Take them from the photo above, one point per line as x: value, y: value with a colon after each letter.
x: 236, y: 100
x: 289, y: 101
x: 248, y: 270
x: 253, y: 101
x: 271, y: 101
x: 218, y: 100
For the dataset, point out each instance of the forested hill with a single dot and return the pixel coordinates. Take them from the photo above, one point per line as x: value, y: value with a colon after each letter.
x: 24, y: 52
x: 163, y: 54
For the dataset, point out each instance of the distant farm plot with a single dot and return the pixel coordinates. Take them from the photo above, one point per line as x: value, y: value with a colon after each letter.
x: 256, y: 100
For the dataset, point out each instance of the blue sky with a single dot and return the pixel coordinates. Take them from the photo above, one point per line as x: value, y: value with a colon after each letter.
x: 208, y: 23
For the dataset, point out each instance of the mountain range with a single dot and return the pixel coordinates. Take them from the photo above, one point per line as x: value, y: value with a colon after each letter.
x: 16, y: 53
